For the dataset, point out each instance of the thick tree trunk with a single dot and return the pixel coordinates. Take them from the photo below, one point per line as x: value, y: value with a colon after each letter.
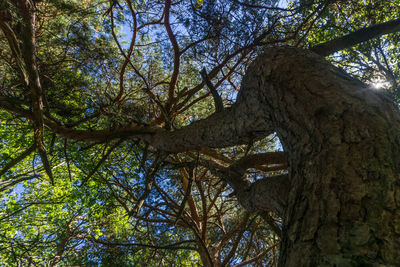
x: 342, y: 142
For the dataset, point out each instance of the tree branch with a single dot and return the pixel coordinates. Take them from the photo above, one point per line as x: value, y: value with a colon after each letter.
x: 188, y: 191
x: 170, y: 246
x: 130, y: 50
x: 29, y: 56
x: 13, y: 44
x: 235, y: 243
x: 356, y: 37
x: 219, y: 106
x: 101, y: 161
x: 149, y: 180
x: 17, y: 181
x: 255, y: 160
x: 258, y: 256
x: 15, y: 161
x: 177, y: 55
x: 264, y: 195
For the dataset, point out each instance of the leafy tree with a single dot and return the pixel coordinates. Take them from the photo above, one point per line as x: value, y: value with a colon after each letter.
x: 126, y: 138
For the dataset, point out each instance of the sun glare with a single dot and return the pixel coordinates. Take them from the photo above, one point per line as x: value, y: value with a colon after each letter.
x: 379, y: 83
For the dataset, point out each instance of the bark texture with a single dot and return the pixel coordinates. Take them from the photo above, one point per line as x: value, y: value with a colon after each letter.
x: 342, y: 143
x: 264, y: 195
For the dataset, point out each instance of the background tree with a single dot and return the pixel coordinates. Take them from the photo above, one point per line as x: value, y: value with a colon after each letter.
x: 115, y: 119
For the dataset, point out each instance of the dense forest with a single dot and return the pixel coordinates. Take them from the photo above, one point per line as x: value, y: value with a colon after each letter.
x: 199, y: 133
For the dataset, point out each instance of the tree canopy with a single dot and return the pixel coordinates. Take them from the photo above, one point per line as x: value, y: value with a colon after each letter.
x: 112, y: 149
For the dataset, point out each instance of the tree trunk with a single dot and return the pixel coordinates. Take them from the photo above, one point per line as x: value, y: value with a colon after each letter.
x: 208, y: 258
x: 342, y: 143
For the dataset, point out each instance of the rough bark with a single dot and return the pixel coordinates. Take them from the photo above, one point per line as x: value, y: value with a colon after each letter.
x: 264, y: 195
x: 342, y: 144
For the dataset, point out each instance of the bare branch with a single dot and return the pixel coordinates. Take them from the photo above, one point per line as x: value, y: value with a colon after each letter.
x: 148, y: 183
x: 235, y: 244
x: 186, y: 196
x: 175, y: 47
x: 130, y: 50
x: 257, y: 257
x: 219, y: 106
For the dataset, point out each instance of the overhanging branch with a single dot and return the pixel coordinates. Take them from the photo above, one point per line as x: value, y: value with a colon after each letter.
x: 356, y: 37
